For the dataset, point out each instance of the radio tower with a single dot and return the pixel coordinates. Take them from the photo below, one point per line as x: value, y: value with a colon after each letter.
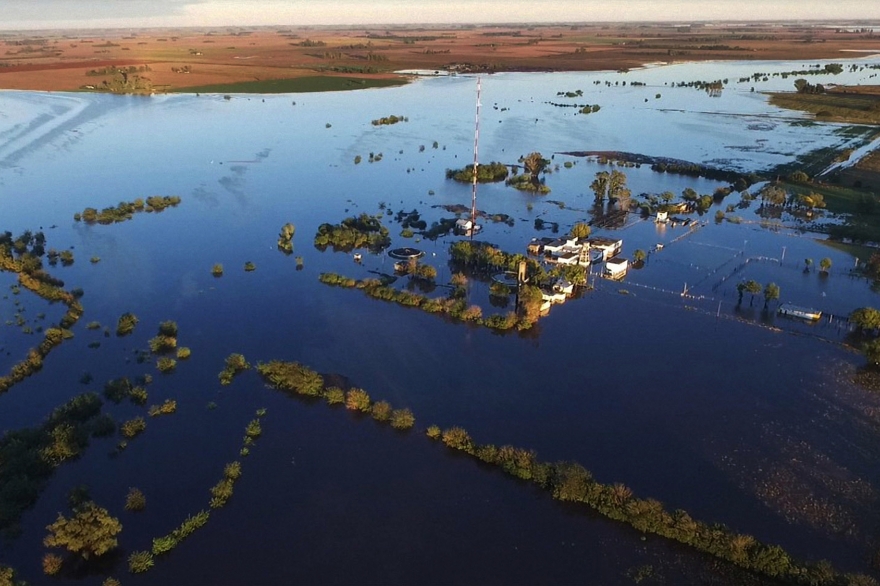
x: 476, y: 145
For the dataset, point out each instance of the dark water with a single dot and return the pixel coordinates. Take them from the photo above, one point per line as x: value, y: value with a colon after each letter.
x: 734, y: 422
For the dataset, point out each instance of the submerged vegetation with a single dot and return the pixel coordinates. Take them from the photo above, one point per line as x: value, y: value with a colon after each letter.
x: 235, y: 364
x: 365, y: 231
x: 126, y: 210
x: 388, y: 120
x: 488, y: 173
x: 285, y: 239
x: 28, y: 457
x: 22, y: 256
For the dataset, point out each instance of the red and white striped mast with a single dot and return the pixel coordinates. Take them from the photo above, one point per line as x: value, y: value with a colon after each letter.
x: 476, y: 146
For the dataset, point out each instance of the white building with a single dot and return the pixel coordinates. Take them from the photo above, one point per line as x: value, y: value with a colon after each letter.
x: 609, y: 246
x: 615, y: 268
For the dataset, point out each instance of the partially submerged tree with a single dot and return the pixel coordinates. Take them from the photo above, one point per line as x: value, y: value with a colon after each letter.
x: 771, y: 293
x: 90, y: 532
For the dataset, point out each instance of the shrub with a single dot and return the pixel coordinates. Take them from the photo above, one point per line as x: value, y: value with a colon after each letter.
x: 183, y: 353
x: 249, y: 266
x: 138, y: 395
x: 163, y: 544
x: 357, y: 400
x: 402, y: 419
x: 126, y: 323
x: 110, y: 581
x: 232, y: 470
x: 162, y: 343
x: 166, y: 364
x: 235, y: 364
x: 433, y: 432
x: 166, y: 408
x: 381, y: 410
x: 133, y: 427
x: 52, y: 564
x: 140, y: 561
x: 335, y: 396
x: 253, y: 429
x: 292, y: 376
x: 458, y: 439
x: 135, y: 500
x: 217, y: 270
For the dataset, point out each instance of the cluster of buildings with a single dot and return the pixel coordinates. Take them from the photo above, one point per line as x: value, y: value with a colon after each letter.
x: 583, y: 252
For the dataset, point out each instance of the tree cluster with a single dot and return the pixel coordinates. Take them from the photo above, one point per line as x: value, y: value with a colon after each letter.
x: 365, y: 231
x: 486, y: 173
x: 571, y: 482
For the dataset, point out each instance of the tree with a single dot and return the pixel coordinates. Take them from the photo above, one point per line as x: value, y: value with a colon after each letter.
x: 639, y: 256
x: 771, y: 293
x: 753, y: 288
x: 865, y: 318
x: 580, y: 230
x: 600, y: 185
x: 825, y: 264
x: 534, y: 164
x: 872, y: 351
x: 91, y: 531
x: 689, y: 195
x: 773, y: 195
x: 799, y: 177
x: 808, y: 262
x: 617, y: 189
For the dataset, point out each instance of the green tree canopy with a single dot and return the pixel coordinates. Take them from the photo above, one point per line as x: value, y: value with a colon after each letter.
x: 580, y: 230
x: 771, y: 293
x: 534, y: 164
x: 600, y: 185
x: 90, y: 532
x: 865, y: 318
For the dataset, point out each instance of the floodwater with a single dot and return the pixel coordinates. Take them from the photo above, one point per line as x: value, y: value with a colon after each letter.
x: 697, y: 402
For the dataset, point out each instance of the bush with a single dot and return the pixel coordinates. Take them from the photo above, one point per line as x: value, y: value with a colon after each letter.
x: 232, y: 471
x: 381, y: 410
x: 140, y: 561
x: 217, y: 270
x: 133, y: 427
x: 52, y: 564
x: 253, y: 429
x: 166, y: 364
x: 126, y: 324
x: 138, y: 395
x: 357, y: 400
x: 458, y: 439
x: 335, y: 396
x: 166, y: 408
x: 433, y: 432
x: 402, y: 419
x: 183, y: 353
x: 135, y: 500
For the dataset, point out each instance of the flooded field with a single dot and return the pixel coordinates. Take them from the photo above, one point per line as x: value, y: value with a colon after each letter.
x: 665, y: 381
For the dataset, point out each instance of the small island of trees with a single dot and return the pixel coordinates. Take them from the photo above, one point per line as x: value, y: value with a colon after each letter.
x: 533, y: 165
x: 388, y: 120
x: 125, y: 210
x: 489, y: 173
x: 364, y: 231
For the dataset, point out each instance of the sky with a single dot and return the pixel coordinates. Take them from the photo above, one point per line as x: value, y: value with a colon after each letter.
x: 47, y: 14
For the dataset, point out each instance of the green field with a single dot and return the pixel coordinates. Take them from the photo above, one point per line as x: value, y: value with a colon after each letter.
x: 858, y: 108
x: 316, y: 83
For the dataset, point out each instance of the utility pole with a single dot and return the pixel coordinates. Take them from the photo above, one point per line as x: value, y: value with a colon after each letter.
x: 476, y: 148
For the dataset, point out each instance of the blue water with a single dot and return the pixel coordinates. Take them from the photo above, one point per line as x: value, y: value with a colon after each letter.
x: 703, y: 413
